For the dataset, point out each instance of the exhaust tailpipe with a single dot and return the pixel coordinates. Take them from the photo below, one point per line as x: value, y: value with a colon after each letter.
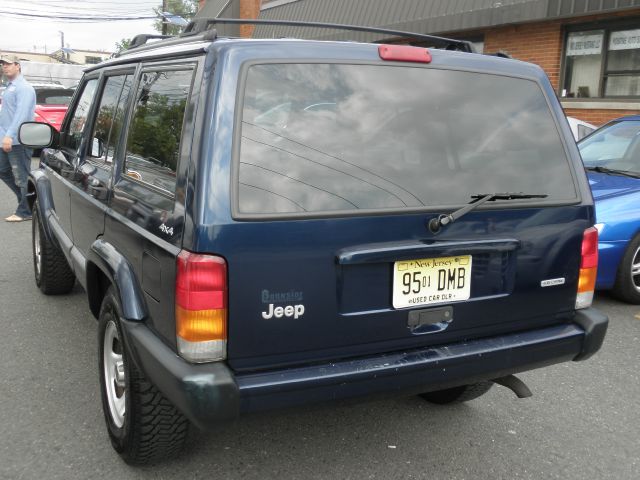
x: 514, y: 384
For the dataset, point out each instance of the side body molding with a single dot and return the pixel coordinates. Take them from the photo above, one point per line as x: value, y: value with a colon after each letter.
x: 103, y: 257
x: 40, y: 187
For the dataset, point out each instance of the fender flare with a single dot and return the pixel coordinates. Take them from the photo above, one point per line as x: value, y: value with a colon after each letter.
x: 39, y: 187
x: 104, y: 257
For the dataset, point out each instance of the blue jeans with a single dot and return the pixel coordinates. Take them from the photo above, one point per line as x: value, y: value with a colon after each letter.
x: 14, y: 171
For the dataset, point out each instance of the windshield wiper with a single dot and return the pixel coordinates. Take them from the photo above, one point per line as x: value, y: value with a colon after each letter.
x: 613, y: 171
x: 436, y: 223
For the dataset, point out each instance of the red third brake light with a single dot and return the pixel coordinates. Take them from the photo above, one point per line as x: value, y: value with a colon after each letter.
x: 404, y: 53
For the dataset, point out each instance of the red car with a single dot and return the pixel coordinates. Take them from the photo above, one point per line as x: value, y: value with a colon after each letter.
x: 52, y: 101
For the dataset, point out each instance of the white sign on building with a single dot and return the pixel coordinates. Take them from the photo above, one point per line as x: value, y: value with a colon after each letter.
x: 625, y: 40
x: 581, y: 44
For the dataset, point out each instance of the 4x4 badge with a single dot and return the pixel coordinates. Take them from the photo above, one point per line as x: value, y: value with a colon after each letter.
x: 165, y: 229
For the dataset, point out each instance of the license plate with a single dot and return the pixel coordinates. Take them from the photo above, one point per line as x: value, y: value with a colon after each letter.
x: 431, y: 280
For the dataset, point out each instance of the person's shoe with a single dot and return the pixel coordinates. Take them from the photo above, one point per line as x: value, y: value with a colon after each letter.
x: 15, y: 218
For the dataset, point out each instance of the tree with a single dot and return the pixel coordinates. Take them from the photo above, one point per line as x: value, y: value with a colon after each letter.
x: 184, y: 8
x: 123, y: 45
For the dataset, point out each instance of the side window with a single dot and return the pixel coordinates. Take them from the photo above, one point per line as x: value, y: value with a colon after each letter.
x: 109, y: 120
x: 153, y: 145
x: 80, y: 114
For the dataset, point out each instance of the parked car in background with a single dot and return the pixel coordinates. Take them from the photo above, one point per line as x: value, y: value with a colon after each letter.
x: 579, y: 128
x: 52, y: 101
x: 611, y: 156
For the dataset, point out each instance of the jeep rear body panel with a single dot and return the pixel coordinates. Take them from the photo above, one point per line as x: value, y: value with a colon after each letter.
x: 337, y: 266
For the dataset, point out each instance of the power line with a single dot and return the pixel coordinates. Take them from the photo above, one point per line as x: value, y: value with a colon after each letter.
x: 94, y: 11
x: 86, y: 18
x: 85, y: 9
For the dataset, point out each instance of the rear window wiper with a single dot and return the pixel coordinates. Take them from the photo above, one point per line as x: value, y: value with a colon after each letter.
x: 436, y: 223
x: 613, y: 171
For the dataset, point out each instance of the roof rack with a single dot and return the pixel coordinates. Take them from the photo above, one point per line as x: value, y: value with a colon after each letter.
x: 139, y: 42
x: 199, y: 25
x: 143, y: 38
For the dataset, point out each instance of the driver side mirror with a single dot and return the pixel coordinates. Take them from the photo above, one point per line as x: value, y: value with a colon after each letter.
x: 37, y: 135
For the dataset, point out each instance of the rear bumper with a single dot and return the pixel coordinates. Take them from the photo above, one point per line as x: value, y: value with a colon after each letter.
x: 210, y: 393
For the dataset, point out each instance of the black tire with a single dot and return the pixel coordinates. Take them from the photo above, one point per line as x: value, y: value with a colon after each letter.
x: 460, y: 394
x: 144, y: 427
x: 626, y: 286
x: 50, y: 267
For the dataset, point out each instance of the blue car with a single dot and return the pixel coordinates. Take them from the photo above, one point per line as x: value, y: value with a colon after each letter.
x: 611, y: 156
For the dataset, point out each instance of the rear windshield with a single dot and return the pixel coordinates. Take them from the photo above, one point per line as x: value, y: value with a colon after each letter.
x: 53, y: 96
x: 333, y: 137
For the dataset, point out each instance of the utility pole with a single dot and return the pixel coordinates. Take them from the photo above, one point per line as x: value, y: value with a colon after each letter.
x: 62, y: 53
x: 164, y: 21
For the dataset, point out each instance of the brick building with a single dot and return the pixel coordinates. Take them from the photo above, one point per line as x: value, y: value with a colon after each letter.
x: 590, y: 49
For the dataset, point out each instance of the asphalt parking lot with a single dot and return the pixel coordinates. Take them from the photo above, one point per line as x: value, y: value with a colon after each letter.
x: 581, y: 423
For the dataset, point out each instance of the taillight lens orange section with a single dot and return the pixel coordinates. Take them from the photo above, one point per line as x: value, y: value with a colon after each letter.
x: 201, y: 297
x: 587, y: 280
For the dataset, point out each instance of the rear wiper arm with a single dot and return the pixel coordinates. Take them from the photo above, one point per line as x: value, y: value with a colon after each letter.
x: 436, y: 223
x: 613, y: 171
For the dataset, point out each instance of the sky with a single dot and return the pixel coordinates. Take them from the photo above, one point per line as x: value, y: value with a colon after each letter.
x: 29, y: 26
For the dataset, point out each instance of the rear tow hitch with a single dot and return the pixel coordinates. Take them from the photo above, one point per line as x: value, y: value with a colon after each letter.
x: 514, y: 384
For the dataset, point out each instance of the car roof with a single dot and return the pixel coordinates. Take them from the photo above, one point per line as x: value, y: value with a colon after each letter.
x: 299, y: 48
x: 46, y: 85
x: 627, y: 118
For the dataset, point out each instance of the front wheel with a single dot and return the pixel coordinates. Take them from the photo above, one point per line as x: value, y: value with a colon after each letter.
x: 627, y: 285
x: 144, y: 427
x: 460, y: 394
x: 51, y: 270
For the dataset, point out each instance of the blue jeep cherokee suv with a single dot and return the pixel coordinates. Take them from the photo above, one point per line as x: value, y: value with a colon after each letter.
x: 267, y: 223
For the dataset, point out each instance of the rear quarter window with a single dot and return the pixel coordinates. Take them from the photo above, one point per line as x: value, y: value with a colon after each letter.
x: 328, y: 138
x: 153, y: 144
x: 53, y: 96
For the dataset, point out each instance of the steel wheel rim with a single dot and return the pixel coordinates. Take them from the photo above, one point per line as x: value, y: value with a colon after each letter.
x: 37, y: 248
x: 635, y: 269
x: 113, y: 365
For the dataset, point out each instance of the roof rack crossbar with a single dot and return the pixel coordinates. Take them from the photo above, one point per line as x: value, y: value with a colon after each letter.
x: 207, y: 36
x: 199, y: 24
x: 143, y: 38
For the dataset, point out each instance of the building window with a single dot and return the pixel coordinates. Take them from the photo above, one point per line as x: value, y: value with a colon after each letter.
x: 602, y: 62
x: 92, y: 60
x: 622, y: 76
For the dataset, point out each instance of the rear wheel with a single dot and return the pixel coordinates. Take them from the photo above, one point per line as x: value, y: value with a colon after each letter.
x: 627, y: 285
x: 52, y: 272
x: 460, y: 394
x: 144, y: 427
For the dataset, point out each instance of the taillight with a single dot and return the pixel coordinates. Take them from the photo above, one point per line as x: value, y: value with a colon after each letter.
x: 201, y: 307
x: 404, y: 53
x: 588, y: 268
